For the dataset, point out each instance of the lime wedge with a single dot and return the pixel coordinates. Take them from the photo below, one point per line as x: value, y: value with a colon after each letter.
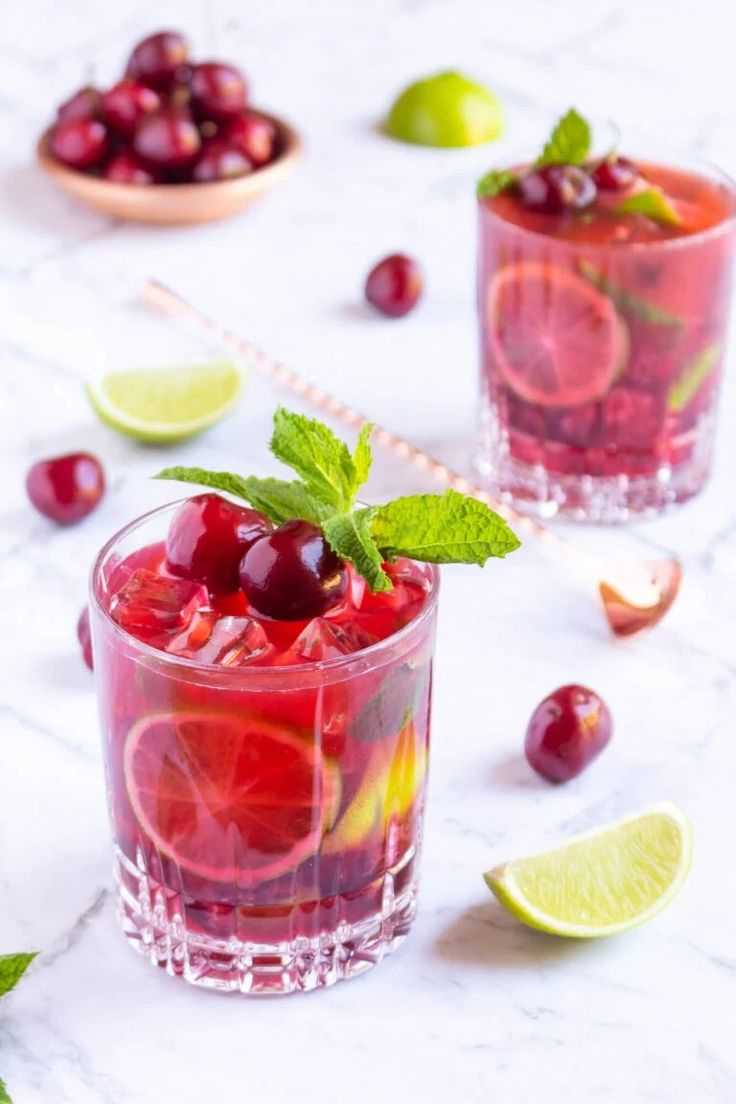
x: 448, y: 109
x: 603, y: 881
x: 165, y: 404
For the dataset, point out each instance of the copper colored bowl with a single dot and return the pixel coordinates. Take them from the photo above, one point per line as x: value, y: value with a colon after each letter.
x: 175, y: 204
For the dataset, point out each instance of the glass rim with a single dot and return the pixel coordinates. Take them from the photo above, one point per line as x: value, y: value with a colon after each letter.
x: 369, y: 657
x: 718, y: 229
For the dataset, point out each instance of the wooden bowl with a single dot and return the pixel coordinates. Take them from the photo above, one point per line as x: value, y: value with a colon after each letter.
x: 175, y: 204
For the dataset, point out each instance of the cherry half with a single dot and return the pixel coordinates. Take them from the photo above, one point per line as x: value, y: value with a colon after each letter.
x: 80, y: 143
x: 292, y: 574
x: 614, y: 174
x: 556, y: 188
x: 394, y: 285
x: 66, y: 488
x: 167, y: 138
x: 125, y: 104
x: 254, y: 136
x: 220, y: 161
x: 208, y: 538
x: 219, y: 91
x: 158, y: 60
x: 566, y: 732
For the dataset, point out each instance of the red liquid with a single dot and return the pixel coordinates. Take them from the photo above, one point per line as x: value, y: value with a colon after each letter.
x: 603, y: 341
x: 270, y: 808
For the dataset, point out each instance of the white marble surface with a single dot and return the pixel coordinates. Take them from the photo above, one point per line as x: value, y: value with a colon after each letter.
x: 473, y: 1007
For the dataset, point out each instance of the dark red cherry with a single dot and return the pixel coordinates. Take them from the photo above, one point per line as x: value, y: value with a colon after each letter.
x: 158, y: 60
x: 167, y: 138
x: 394, y: 285
x: 126, y: 168
x: 125, y: 104
x: 80, y: 143
x: 218, y: 91
x: 254, y: 136
x: 208, y: 538
x: 84, y: 104
x: 615, y: 174
x: 566, y: 732
x: 556, y: 188
x: 293, y: 574
x: 85, y: 637
x: 66, y: 488
x: 220, y: 161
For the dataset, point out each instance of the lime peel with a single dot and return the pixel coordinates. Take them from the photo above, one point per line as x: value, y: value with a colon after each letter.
x: 603, y: 881
x: 163, y: 405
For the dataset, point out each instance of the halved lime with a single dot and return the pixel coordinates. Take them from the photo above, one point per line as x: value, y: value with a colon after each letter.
x: 447, y: 109
x: 603, y: 881
x: 166, y: 404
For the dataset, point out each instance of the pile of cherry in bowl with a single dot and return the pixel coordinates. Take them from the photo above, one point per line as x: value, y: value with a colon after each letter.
x: 168, y: 121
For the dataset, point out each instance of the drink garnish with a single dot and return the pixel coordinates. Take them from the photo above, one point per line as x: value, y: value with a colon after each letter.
x: 569, y: 143
x: 495, y: 181
x: 446, y: 528
x: 684, y: 389
x: 653, y: 204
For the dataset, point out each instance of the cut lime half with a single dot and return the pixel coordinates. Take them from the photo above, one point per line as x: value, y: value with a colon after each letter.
x: 603, y: 881
x: 161, y: 405
x: 447, y: 109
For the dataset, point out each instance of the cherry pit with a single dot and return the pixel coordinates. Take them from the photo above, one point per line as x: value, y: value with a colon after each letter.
x: 168, y: 120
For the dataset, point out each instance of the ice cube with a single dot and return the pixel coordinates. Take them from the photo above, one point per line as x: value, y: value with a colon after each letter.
x: 233, y: 641
x: 151, y: 601
x: 193, y: 636
x: 323, y: 639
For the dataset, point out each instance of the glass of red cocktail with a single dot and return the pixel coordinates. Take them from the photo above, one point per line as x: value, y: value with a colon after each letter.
x: 603, y: 293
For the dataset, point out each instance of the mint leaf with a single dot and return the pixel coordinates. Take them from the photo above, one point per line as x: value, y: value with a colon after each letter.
x: 281, y: 501
x: 569, y: 143
x: 448, y: 528
x: 495, y: 181
x: 626, y: 300
x: 350, y: 536
x: 652, y: 203
x: 684, y: 389
x: 393, y: 705
x: 314, y: 452
x: 219, y: 481
x: 362, y: 457
x: 4, y: 1098
x: 12, y: 968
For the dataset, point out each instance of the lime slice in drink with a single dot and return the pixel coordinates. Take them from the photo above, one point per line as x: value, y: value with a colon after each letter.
x: 166, y: 404
x: 448, y: 109
x: 603, y: 881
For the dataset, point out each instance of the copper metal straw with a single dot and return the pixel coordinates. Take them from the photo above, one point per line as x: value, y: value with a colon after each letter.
x: 635, y: 596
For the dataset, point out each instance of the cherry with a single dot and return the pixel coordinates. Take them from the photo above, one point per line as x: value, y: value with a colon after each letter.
x: 292, y: 574
x: 614, y: 174
x: 66, y: 488
x: 556, y: 188
x: 125, y: 104
x: 218, y: 91
x: 167, y: 138
x: 84, y: 104
x: 254, y: 136
x: 81, y: 143
x: 566, y: 732
x: 208, y: 538
x: 220, y: 161
x: 85, y: 637
x: 158, y: 60
x: 394, y: 285
x: 126, y: 168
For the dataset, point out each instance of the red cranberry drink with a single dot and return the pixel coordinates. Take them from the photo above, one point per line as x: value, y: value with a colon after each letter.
x: 604, y: 288
x: 264, y: 674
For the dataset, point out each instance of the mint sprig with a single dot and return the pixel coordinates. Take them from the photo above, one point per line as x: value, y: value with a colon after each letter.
x: 654, y: 205
x: 12, y: 969
x: 569, y: 143
x: 493, y: 182
x: 447, y: 528
x: 4, y: 1098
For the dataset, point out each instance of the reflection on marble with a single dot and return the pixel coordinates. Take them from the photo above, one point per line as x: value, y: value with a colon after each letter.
x: 473, y: 1007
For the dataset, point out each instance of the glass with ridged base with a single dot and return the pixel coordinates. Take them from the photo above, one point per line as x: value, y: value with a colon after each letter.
x: 266, y: 819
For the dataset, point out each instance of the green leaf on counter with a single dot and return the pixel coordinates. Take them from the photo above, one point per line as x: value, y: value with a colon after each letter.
x: 12, y: 969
